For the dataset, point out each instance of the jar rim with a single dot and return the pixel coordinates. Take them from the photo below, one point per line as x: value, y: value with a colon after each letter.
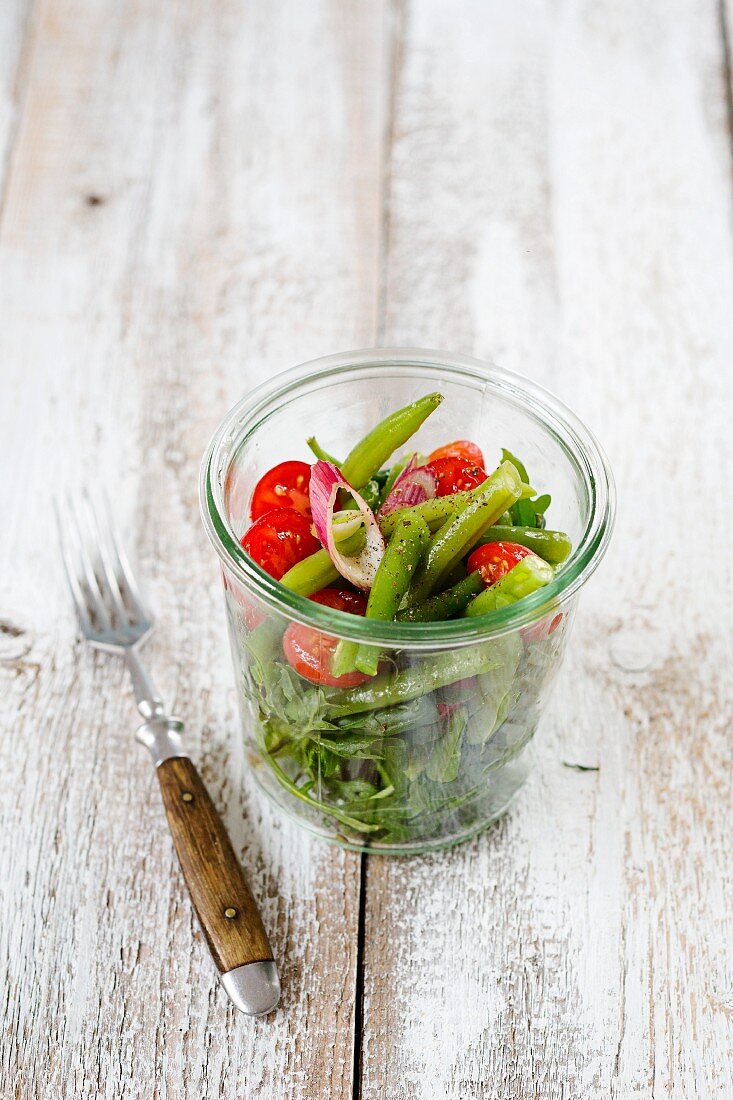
x: 553, y: 415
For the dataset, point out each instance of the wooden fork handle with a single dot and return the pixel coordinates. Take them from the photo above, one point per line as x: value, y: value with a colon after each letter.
x: 221, y: 897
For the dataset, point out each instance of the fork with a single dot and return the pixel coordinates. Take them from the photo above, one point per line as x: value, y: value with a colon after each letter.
x: 113, y: 617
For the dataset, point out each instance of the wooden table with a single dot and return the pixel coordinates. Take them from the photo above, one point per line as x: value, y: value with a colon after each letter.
x: 198, y: 194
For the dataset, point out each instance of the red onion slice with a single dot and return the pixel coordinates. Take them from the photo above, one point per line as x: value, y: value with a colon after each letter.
x: 326, y: 480
x: 413, y: 485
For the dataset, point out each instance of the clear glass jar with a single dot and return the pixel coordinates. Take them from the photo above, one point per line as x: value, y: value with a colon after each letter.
x: 437, y: 749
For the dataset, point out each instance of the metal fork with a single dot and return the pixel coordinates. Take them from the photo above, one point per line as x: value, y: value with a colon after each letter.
x: 113, y: 617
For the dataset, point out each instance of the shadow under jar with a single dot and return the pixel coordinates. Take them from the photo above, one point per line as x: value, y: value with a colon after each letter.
x: 433, y: 749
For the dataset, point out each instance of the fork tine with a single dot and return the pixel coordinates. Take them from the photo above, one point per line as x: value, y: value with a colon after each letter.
x: 95, y: 605
x: 79, y: 600
x: 123, y: 566
x: 103, y: 540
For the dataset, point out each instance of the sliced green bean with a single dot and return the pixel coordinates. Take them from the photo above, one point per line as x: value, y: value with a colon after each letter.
x: 459, y: 534
x: 553, y: 546
x: 311, y: 574
x: 526, y: 577
x: 396, y: 569
x: 317, y: 570
x: 375, y: 448
x: 444, y: 605
x: 319, y: 452
x: 392, y: 580
x: 435, y: 512
x: 346, y: 523
x: 457, y: 573
x: 432, y: 672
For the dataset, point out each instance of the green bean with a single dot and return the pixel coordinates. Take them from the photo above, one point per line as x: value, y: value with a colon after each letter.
x: 444, y: 605
x: 434, y: 671
x: 376, y: 447
x: 311, y: 574
x: 553, y: 546
x: 526, y: 577
x: 317, y: 570
x: 435, y: 511
x: 319, y: 452
x: 457, y: 573
x: 396, y: 569
x: 459, y: 534
x: 394, y: 471
x: 392, y: 579
x: 344, y: 657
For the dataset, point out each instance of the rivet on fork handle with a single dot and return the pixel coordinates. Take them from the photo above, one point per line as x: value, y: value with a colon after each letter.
x: 213, y: 874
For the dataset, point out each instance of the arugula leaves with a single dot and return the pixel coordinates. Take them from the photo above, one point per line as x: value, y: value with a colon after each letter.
x: 392, y: 771
x: 392, y: 760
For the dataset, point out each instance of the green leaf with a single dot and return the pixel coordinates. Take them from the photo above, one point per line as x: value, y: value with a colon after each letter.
x: 527, y: 512
x: 361, y: 746
x: 507, y: 456
x: 445, y: 762
x: 371, y: 493
x: 318, y: 760
x: 358, y: 790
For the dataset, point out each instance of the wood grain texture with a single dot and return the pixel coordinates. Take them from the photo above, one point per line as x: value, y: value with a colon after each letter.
x: 194, y: 202
x: 560, y: 201
x: 227, y: 912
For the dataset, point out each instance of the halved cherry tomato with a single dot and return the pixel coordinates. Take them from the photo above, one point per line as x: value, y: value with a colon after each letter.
x: 495, y: 559
x: 453, y: 475
x: 284, y: 486
x: 279, y: 540
x: 460, y: 448
x: 310, y: 652
x: 543, y: 629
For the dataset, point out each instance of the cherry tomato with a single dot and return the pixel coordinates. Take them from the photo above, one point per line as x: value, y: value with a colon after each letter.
x: 456, y: 474
x: 279, y: 540
x: 284, y: 486
x: 543, y: 629
x: 495, y: 559
x: 310, y: 652
x: 461, y: 448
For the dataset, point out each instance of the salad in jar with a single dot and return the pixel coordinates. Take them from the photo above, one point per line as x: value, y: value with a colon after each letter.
x: 383, y: 744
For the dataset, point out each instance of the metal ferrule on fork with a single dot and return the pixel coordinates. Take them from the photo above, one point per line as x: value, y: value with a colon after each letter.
x: 160, y: 734
x: 162, y: 738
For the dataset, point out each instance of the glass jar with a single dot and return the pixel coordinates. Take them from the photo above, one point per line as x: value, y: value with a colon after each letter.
x: 435, y: 748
